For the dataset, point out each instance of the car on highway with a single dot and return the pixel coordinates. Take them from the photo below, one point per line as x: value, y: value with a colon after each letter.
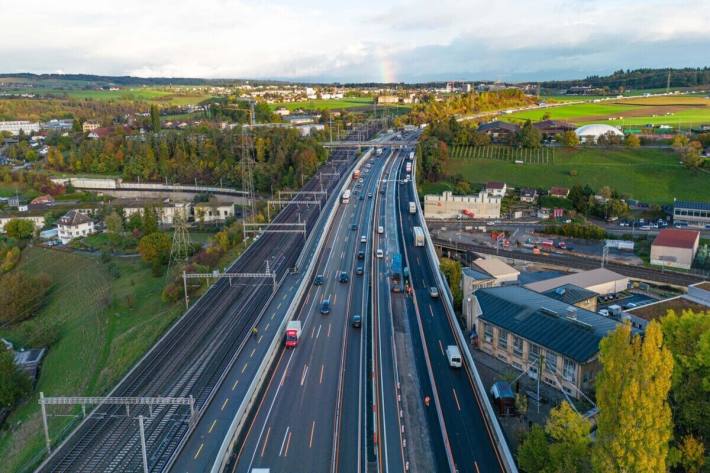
x: 318, y: 281
x: 361, y: 180
x: 369, y: 195
x: 434, y: 291
x: 362, y: 197
x: 380, y: 253
x: 343, y: 277
x: 353, y: 226
x: 360, y: 271
x: 380, y: 229
x: 363, y: 239
x: 360, y: 254
x: 325, y: 306
x: 356, y: 320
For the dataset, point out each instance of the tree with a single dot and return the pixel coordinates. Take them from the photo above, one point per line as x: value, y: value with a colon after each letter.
x: 680, y: 141
x: 569, y: 138
x: 534, y: 452
x: 155, y: 248
x: 692, y: 454
x: 150, y: 221
x: 687, y: 336
x: 452, y: 270
x: 569, y: 431
x: 135, y: 221
x: 12, y: 257
x: 20, y: 229
x: 690, y: 156
x: 634, y: 423
x: 22, y: 295
x: 14, y: 384
x: 155, y: 118
x: 114, y: 223
x: 632, y: 141
x: 529, y: 136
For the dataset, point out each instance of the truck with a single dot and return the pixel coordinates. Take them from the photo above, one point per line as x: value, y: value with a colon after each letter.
x: 411, y: 155
x: 418, y: 236
x: 379, y: 151
x: 412, y: 208
x: 293, y: 332
x: 396, y: 273
x: 346, y: 196
x: 356, y: 174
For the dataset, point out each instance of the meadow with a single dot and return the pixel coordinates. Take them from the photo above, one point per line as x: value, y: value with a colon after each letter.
x: 319, y: 104
x: 175, y: 96
x: 649, y: 175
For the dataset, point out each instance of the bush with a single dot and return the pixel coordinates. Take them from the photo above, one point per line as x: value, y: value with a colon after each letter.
x: 573, y: 172
x: 22, y: 295
x: 14, y: 383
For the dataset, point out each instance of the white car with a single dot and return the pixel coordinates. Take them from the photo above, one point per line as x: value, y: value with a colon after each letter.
x: 380, y: 229
x: 380, y: 253
x: 363, y: 239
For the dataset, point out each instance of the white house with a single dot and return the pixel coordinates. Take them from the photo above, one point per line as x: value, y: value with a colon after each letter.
x: 74, y: 224
x: 213, y: 211
x: 496, y: 188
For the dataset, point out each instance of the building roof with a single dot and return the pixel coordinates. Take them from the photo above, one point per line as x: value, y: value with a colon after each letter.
x: 659, y: 309
x: 584, y: 279
x: 559, y: 191
x: 570, y: 294
x: 498, y: 125
x: 476, y: 275
x: 496, y: 268
x: 686, y: 204
x: 74, y: 217
x: 677, y: 238
x: 554, y: 124
x: 597, y: 130
x: 495, y: 185
x: 528, y: 192
x: 562, y: 328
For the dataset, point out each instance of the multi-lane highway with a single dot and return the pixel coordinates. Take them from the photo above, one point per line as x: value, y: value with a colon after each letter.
x: 468, y: 438
x: 192, y: 358
x: 306, y: 403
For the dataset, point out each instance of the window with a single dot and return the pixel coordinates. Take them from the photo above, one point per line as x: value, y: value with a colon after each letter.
x: 533, y: 353
x: 502, y: 339
x: 518, y: 346
x: 488, y: 333
x: 550, y: 362
x: 569, y: 371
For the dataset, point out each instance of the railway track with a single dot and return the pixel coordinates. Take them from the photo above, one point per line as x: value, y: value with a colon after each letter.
x: 190, y: 357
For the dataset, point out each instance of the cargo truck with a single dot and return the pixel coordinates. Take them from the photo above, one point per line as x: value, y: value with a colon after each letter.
x: 293, y: 332
x: 418, y: 236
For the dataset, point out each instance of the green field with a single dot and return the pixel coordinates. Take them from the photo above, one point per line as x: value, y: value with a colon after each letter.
x: 318, y: 104
x: 677, y: 111
x: 105, y: 325
x: 163, y: 96
x: 649, y: 175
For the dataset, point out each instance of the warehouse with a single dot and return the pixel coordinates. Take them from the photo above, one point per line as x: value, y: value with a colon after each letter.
x: 675, y: 248
x: 448, y: 205
x: 600, y: 280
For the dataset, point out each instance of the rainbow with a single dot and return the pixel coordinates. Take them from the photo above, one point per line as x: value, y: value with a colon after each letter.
x: 388, y: 69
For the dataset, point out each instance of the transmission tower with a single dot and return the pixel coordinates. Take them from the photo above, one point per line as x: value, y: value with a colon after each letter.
x: 180, y: 250
x: 248, y: 172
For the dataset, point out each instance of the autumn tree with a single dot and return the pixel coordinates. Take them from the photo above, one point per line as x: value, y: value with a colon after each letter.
x: 154, y: 248
x: 569, y: 138
x: 569, y: 431
x: 22, y: 295
x: 452, y: 271
x: 19, y: 228
x: 632, y: 141
x: 634, y: 422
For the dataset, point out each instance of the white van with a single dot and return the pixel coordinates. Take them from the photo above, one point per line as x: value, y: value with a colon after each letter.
x: 363, y: 239
x: 380, y: 229
x: 454, y: 356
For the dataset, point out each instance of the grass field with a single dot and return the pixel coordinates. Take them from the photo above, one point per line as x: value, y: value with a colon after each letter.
x: 676, y: 111
x: 318, y: 104
x: 649, y: 175
x: 162, y: 96
x: 105, y: 325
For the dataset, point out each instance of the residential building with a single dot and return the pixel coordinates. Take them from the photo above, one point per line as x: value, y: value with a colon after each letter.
x: 448, y: 205
x: 528, y: 195
x: 574, y: 295
x: 74, y: 224
x: 552, y: 128
x: 692, y: 214
x: 559, y: 192
x: 499, y: 132
x: 213, y: 211
x: 387, y: 99
x: 45, y: 199
x: 57, y: 125
x: 542, y: 336
x: 14, y: 127
x: 165, y: 210
x: 306, y: 130
x: 601, y: 281
x: 90, y: 125
x: 496, y: 188
x: 675, y: 248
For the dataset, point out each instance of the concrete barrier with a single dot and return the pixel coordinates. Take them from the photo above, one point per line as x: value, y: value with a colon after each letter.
x: 250, y: 398
x: 489, y: 415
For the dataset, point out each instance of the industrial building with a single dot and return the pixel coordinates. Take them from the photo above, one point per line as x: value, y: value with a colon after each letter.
x: 591, y: 133
x: 692, y: 214
x: 675, y: 248
x: 601, y: 281
x: 491, y: 272
x: 448, y: 205
x: 541, y: 336
x: 14, y: 127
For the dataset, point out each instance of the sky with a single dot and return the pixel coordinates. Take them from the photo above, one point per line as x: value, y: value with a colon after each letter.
x: 353, y: 40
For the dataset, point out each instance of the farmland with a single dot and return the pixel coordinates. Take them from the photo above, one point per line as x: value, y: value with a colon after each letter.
x: 677, y: 111
x: 318, y: 104
x: 167, y: 96
x: 649, y: 175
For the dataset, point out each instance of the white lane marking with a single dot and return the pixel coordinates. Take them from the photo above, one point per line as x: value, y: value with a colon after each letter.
x: 303, y: 375
x: 283, y: 442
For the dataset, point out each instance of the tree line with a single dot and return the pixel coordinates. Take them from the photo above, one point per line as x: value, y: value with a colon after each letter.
x: 640, y: 79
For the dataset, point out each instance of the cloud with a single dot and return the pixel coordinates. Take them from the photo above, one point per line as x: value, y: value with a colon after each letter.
x: 354, y: 40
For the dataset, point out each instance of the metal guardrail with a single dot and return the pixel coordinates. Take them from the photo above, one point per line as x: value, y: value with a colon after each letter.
x: 488, y: 414
x: 240, y: 418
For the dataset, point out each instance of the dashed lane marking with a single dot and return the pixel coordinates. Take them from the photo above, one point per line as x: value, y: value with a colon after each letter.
x: 224, y: 404
x: 214, y: 422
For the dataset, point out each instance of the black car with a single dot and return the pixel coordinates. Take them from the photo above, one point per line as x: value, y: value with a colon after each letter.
x: 369, y: 195
x: 359, y: 271
x: 360, y: 254
x: 356, y: 320
x: 362, y: 197
x: 353, y: 226
x: 325, y: 306
x: 343, y: 277
x: 318, y: 281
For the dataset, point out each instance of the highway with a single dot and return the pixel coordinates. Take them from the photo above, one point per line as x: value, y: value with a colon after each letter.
x: 319, y: 386
x: 192, y: 357
x: 468, y: 439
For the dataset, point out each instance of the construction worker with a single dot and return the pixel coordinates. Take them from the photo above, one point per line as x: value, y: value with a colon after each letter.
x: 254, y: 331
